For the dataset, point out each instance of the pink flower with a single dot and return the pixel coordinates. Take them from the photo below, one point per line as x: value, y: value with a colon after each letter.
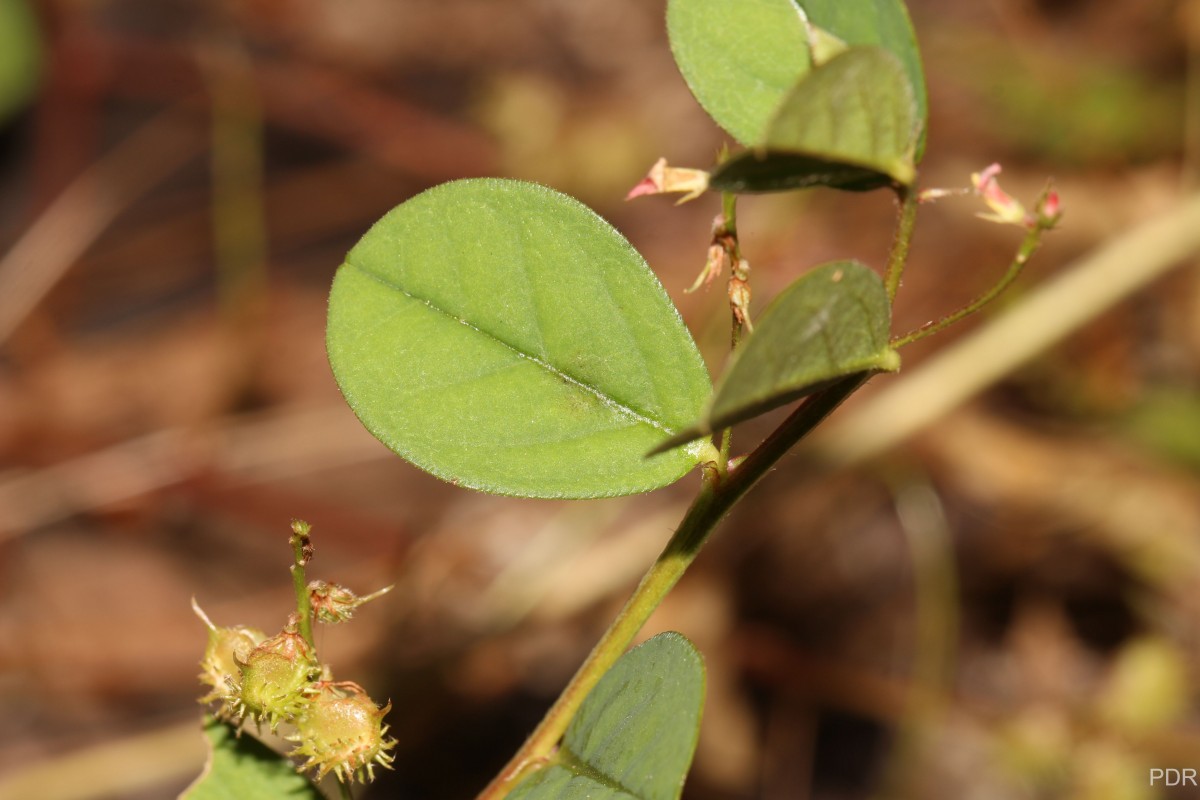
x: 1005, y: 208
x: 664, y: 178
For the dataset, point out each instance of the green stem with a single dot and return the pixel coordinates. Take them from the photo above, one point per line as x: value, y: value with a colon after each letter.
x: 729, y: 211
x: 344, y: 791
x: 724, y: 450
x: 301, y: 553
x: 1029, y: 246
x: 905, y: 226
x: 716, y: 497
x: 733, y: 247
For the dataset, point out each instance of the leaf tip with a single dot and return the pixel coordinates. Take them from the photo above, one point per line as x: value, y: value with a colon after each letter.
x: 692, y: 437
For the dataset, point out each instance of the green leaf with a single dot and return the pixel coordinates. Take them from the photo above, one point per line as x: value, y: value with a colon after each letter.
x: 831, y: 322
x: 744, y: 60
x: 850, y: 124
x: 882, y: 22
x: 20, y: 55
x: 635, y: 734
x: 243, y: 768
x: 739, y: 58
x: 502, y: 336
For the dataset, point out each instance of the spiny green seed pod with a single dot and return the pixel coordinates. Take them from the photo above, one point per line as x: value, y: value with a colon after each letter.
x: 276, y: 679
x: 332, y: 603
x: 227, y: 648
x: 342, y: 732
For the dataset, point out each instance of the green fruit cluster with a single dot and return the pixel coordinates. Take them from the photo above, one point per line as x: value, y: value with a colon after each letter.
x: 336, y: 727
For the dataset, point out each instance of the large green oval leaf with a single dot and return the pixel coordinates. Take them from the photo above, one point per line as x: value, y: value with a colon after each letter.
x: 243, y: 768
x: 831, y: 322
x: 739, y: 58
x: 502, y: 336
x: 634, y: 736
x: 851, y: 124
x: 882, y: 22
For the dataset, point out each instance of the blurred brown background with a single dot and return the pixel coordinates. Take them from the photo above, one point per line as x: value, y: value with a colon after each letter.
x: 179, y: 180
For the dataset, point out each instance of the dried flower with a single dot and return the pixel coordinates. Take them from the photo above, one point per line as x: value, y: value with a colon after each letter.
x: 332, y: 603
x: 739, y: 294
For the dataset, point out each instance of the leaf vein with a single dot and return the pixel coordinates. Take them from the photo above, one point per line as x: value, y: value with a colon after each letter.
x: 602, y: 396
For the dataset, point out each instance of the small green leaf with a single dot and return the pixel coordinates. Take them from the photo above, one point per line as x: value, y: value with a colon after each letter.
x: 882, y: 22
x: 243, y: 768
x: 831, y: 322
x: 851, y: 124
x: 739, y: 58
x: 634, y: 736
x: 502, y: 336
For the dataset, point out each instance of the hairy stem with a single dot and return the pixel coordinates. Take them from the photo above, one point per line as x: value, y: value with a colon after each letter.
x: 729, y: 211
x: 302, y: 551
x: 716, y: 497
x: 905, y: 225
x: 1029, y: 246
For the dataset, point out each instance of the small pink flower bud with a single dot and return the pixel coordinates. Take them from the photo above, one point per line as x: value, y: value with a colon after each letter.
x: 663, y: 179
x: 342, y: 731
x: 1049, y: 209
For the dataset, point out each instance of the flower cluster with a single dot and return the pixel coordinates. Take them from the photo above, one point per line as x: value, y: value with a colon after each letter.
x: 337, y: 728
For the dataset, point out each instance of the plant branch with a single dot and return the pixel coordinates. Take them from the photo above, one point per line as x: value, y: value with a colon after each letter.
x: 716, y: 497
x: 302, y: 551
x: 734, y: 247
x: 1050, y: 312
x: 905, y: 225
x: 1029, y: 246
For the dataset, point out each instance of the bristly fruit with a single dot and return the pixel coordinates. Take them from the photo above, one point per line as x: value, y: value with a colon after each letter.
x: 227, y: 649
x: 342, y: 731
x: 276, y: 679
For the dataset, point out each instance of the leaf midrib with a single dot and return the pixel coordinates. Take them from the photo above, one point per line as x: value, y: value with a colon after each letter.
x: 608, y: 400
x: 569, y: 760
